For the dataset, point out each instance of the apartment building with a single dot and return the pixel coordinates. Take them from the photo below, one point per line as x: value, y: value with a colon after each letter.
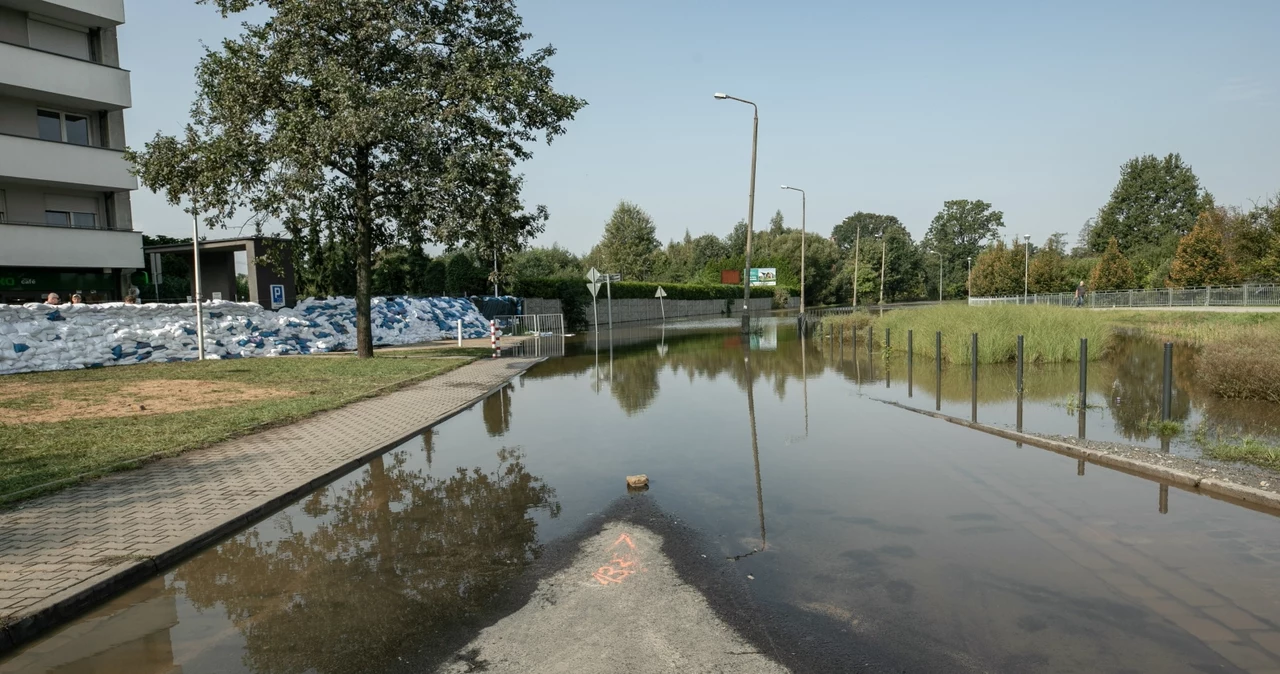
x: 65, y: 220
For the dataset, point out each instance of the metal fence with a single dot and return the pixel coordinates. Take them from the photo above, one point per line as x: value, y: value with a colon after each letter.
x: 1248, y: 295
x: 533, y: 324
x: 536, y: 347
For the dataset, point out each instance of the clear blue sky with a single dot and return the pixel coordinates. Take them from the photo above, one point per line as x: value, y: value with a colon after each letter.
x: 890, y: 107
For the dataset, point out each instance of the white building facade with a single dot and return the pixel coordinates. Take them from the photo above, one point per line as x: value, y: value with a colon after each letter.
x: 65, y: 219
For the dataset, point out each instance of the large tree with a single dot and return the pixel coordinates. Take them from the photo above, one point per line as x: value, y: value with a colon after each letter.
x: 902, y: 261
x: 957, y: 232
x: 629, y: 243
x: 845, y: 234
x: 998, y: 271
x: 377, y: 120
x: 1202, y: 257
x: 1155, y: 202
x: 1048, y: 272
x: 1113, y: 271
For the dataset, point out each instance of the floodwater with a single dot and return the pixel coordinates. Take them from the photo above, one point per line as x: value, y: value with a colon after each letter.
x: 933, y: 547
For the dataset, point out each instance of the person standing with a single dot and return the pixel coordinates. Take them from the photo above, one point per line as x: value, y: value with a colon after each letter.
x: 1080, y: 291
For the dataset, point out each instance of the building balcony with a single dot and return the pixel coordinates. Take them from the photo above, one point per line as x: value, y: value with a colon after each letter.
x: 45, y: 246
x: 95, y: 13
x: 62, y: 80
x: 31, y: 160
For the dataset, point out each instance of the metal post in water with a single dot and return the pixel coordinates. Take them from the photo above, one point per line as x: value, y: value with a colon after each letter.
x: 910, y: 365
x: 1020, y: 373
x: 973, y: 368
x: 1080, y: 467
x: 1166, y: 401
x: 1084, y: 373
x: 870, y: 338
x: 886, y: 340
x: 937, y: 363
x: 1164, y: 499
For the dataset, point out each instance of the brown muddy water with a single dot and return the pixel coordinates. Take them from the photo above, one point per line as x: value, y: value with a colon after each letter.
x: 873, y: 525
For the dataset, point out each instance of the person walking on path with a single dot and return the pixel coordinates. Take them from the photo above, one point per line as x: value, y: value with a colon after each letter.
x: 1080, y: 291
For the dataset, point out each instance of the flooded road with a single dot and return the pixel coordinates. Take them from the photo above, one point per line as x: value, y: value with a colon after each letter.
x: 882, y: 539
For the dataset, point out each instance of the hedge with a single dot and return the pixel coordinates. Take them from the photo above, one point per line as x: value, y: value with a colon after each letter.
x: 575, y: 298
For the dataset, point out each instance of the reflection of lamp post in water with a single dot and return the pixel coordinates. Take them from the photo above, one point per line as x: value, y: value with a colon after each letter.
x: 755, y: 445
x: 804, y: 379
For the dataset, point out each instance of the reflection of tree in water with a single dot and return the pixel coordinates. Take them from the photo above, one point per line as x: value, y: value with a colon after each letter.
x: 393, y: 560
x: 1136, y: 376
x: 636, y: 368
x: 496, y: 410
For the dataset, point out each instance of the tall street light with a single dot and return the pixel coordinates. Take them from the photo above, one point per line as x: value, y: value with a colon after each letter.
x: 968, y: 284
x: 857, y: 242
x: 939, y: 254
x: 803, y: 208
x: 883, y: 257
x: 751, y: 208
x: 1026, y: 278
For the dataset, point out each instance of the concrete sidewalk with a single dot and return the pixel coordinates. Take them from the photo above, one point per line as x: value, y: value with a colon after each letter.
x: 62, y: 553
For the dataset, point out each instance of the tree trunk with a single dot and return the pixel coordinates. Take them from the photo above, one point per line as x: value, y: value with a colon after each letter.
x: 364, y: 256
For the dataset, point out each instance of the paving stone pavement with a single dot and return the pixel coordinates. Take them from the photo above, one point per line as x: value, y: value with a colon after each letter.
x: 61, y: 553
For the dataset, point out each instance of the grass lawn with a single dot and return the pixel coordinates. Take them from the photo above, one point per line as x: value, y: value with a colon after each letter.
x: 60, y: 425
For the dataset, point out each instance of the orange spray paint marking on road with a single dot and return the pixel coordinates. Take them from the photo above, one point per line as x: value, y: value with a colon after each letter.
x: 620, y: 565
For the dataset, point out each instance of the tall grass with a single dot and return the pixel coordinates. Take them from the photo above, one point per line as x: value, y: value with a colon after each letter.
x: 1051, y: 334
x: 1244, y: 366
x: 1196, y: 328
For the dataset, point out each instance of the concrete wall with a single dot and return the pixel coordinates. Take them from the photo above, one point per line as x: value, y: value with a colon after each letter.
x: 533, y: 305
x: 631, y: 311
x: 13, y: 26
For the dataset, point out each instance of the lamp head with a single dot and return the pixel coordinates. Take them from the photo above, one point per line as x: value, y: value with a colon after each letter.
x: 720, y: 96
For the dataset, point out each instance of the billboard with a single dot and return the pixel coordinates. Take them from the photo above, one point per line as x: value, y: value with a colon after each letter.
x: 767, y: 276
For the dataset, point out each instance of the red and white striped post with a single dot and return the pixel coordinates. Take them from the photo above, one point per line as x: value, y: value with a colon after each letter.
x: 493, y: 337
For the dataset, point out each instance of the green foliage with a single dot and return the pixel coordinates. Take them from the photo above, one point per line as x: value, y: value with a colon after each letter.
x: 545, y: 263
x: 462, y: 276
x: 957, y: 231
x: 1155, y: 202
x: 1202, y: 258
x: 435, y: 278
x: 1048, y: 270
x: 869, y: 224
x: 366, y: 122
x: 685, y: 260
x: 1237, y: 447
x: 1113, y: 271
x: 629, y: 242
x: 736, y: 241
x: 777, y: 223
x: 1077, y: 269
x: 903, y: 263
x: 998, y: 271
x: 1244, y: 366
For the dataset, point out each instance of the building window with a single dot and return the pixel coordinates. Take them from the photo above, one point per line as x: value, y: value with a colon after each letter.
x: 3, y: 210
x: 63, y: 127
x: 59, y: 37
x: 71, y: 219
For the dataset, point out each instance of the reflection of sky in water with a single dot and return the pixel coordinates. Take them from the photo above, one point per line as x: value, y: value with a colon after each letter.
x: 884, y: 526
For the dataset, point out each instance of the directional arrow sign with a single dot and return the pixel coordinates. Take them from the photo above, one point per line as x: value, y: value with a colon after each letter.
x: 660, y: 293
x: 593, y: 275
x: 594, y: 288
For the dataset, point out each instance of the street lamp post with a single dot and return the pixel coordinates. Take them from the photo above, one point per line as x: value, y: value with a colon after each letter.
x: 883, y: 257
x: 803, y: 208
x: 751, y: 209
x: 968, y: 284
x: 939, y: 254
x: 1026, y: 278
x: 857, y: 241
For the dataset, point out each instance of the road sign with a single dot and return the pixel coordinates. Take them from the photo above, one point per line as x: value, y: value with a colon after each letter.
x: 277, y: 296
x: 594, y: 288
x: 613, y: 278
x: 660, y: 293
x: 593, y: 275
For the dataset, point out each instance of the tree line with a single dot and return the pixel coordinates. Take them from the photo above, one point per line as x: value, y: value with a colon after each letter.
x: 1159, y: 228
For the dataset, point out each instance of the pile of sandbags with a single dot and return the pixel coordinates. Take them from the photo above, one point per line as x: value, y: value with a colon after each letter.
x: 39, y: 337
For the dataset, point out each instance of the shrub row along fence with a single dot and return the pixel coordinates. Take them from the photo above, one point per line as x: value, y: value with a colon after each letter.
x: 1247, y: 295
